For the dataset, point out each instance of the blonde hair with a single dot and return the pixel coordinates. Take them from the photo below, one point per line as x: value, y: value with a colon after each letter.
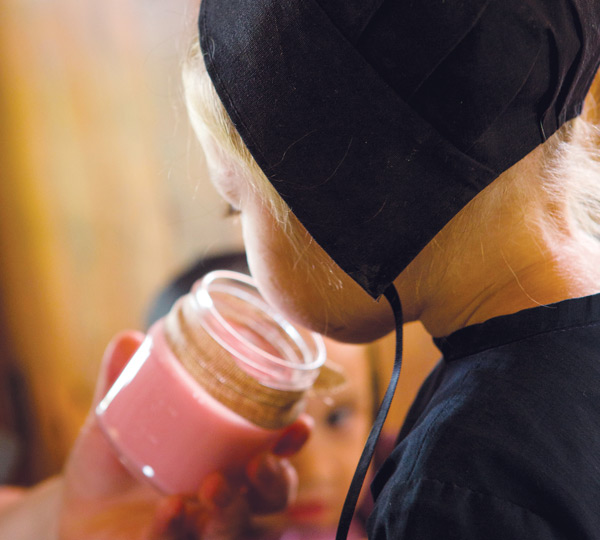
x: 573, y: 169
x: 208, y: 114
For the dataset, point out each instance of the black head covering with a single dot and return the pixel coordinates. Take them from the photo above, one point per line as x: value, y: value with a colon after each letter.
x: 378, y: 120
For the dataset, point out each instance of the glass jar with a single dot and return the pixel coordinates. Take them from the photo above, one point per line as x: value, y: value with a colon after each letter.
x: 214, y: 382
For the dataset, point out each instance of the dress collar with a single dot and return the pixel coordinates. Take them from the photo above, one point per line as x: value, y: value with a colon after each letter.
x: 499, y: 331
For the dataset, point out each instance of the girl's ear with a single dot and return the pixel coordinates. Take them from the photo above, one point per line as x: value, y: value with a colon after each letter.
x: 116, y: 355
x: 591, y: 108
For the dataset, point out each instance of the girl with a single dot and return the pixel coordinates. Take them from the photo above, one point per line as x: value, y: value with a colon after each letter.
x: 439, y: 152
x: 436, y: 152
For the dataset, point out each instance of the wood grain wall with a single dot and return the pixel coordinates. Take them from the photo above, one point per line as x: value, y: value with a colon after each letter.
x: 103, y: 194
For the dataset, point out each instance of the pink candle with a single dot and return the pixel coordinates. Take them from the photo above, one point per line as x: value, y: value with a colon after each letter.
x: 190, y: 401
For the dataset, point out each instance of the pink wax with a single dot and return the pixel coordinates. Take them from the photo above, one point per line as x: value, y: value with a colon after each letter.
x: 164, y: 425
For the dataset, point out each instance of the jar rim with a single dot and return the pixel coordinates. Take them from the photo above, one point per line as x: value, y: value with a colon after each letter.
x: 201, y: 294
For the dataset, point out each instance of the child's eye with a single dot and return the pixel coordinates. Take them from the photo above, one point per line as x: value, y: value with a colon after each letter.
x: 339, y: 416
x: 231, y: 211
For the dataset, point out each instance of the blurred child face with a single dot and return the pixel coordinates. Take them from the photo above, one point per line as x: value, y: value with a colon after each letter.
x: 327, y: 462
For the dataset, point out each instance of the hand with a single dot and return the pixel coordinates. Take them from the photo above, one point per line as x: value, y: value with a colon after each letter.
x: 102, y: 501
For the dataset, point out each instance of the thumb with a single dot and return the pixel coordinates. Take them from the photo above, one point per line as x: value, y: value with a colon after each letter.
x: 116, y: 355
x: 92, y: 468
x: 294, y: 437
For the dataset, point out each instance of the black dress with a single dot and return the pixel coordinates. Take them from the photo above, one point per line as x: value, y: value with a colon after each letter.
x: 503, y: 440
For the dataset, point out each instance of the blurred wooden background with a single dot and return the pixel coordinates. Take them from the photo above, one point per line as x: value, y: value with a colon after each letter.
x: 103, y: 199
x: 103, y: 194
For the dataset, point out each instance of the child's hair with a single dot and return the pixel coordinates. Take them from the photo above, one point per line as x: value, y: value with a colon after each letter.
x: 208, y: 114
x: 569, y: 163
x: 574, y: 162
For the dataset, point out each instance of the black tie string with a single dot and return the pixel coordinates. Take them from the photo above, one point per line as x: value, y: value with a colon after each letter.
x: 367, y: 453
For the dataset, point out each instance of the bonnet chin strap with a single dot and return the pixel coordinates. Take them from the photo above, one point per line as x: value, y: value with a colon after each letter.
x: 365, y: 459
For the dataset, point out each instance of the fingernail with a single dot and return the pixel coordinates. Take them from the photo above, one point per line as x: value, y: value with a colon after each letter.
x: 290, y: 443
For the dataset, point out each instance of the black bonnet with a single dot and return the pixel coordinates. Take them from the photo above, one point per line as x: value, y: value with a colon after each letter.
x: 377, y: 121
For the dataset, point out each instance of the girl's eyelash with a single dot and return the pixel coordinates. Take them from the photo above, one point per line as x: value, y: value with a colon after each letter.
x: 339, y: 415
x: 231, y: 211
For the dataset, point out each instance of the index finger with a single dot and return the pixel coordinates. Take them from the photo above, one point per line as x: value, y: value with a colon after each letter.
x: 294, y: 437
